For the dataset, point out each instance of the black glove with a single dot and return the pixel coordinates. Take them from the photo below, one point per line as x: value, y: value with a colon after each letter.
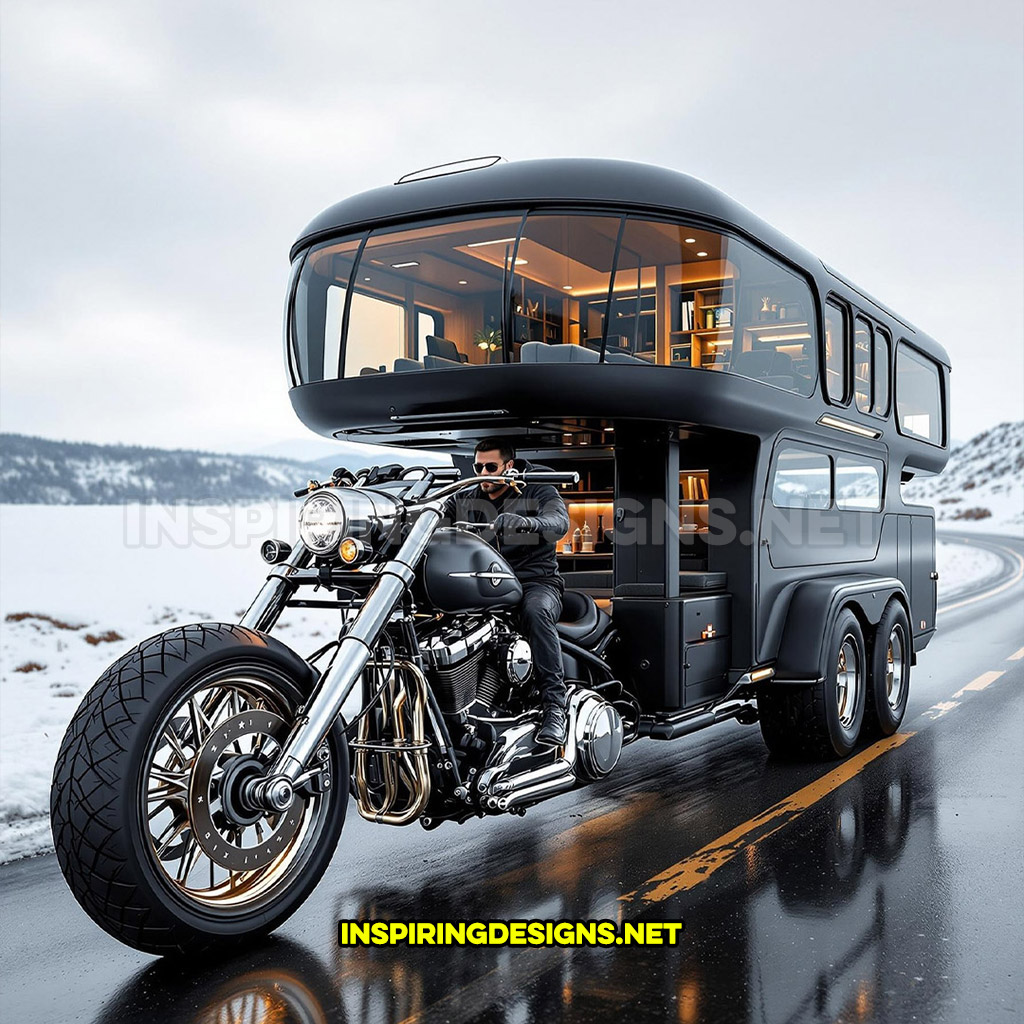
x: 508, y: 524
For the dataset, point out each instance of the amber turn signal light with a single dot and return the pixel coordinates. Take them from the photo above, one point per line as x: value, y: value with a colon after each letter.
x: 350, y: 550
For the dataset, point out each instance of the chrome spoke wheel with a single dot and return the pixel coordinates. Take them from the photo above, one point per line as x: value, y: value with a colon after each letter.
x: 208, y: 846
x: 895, y: 670
x: 848, y: 681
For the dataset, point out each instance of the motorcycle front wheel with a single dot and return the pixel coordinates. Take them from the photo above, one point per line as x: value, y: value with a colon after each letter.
x: 149, y: 822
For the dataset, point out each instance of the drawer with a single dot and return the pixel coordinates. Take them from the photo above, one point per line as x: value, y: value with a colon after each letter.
x: 705, y: 667
x: 704, y: 618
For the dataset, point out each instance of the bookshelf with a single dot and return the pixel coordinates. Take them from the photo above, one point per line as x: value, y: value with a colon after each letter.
x: 701, y: 329
x: 693, y: 501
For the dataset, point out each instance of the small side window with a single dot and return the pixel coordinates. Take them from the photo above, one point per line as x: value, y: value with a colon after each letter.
x: 863, y: 351
x: 858, y: 484
x: 883, y: 361
x: 803, y: 479
x: 836, y: 344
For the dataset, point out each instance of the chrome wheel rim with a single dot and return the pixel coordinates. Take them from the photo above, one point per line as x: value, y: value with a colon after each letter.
x: 847, y: 681
x: 231, y: 866
x: 895, y: 667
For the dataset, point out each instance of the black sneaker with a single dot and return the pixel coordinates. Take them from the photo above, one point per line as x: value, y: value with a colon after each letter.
x: 553, y: 731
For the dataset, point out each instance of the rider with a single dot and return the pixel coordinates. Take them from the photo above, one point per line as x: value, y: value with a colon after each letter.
x: 526, y: 526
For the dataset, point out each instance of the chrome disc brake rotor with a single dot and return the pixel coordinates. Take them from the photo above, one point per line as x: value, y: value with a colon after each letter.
x: 236, y: 751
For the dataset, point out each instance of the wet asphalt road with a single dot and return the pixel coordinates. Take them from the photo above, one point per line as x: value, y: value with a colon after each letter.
x: 890, y: 891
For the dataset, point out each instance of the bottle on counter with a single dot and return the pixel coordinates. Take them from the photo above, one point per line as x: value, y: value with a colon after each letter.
x: 588, y: 539
x: 577, y: 541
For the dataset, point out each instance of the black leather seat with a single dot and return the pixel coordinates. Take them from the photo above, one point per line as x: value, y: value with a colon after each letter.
x: 582, y: 622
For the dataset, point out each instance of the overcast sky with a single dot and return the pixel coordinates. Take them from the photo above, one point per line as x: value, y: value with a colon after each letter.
x: 158, y: 159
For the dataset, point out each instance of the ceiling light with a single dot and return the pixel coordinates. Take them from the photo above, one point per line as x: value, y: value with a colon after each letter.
x: 519, y: 261
x: 366, y: 279
x: 402, y: 266
x: 493, y: 241
x: 463, y: 282
x: 566, y: 287
x: 689, y: 241
x: 702, y: 253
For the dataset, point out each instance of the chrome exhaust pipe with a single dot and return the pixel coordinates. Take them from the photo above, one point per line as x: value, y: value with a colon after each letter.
x: 554, y: 770
x: 538, y: 791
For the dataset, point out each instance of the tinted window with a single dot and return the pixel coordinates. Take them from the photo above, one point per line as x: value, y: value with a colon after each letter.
x: 318, y: 309
x: 858, y: 483
x: 802, y: 479
x: 918, y: 395
x: 863, y: 353
x: 881, y: 371
x: 835, y: 351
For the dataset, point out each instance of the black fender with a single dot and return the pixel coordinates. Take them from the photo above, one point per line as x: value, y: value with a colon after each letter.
x: 814, y: 605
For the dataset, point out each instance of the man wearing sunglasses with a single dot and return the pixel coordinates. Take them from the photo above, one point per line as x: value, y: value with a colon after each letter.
x: 526, y: 527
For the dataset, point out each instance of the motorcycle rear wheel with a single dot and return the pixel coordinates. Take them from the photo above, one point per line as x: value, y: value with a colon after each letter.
x: 144, y: 809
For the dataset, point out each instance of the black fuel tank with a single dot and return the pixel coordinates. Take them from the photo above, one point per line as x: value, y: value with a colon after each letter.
x: 462, y: 573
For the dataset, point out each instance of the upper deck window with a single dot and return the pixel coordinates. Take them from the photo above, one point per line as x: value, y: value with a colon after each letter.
x: 918, y: 395
x: 882, y: 369
x: 863, y: 356
x: 552, y: 287
x: 836, y: 349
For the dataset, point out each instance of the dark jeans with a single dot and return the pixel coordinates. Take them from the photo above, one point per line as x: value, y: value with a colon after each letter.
x: 539, y: 611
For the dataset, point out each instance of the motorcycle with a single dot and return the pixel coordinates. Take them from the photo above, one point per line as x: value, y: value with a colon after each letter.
x: 201, y: 788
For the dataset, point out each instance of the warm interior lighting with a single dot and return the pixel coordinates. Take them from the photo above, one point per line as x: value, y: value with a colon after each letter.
x: 785, y: 337
x: 702, y: 253
x: 689, y: 241
x: 402, y: 266
x: 566, y: 287
x: 493, y: 241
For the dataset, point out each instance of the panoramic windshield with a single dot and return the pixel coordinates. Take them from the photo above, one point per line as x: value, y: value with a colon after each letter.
x: 550, y: 287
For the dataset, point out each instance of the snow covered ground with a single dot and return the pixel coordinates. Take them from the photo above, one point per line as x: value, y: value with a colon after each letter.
x: 79, y: 585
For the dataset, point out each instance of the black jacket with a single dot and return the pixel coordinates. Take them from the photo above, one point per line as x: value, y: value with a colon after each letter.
x: 531, y: 555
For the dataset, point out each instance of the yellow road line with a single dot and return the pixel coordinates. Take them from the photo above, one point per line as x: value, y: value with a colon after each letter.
x: 1017, y: 655
x: 998, y: 590
x: 985, y: 679
x: 701, y: 865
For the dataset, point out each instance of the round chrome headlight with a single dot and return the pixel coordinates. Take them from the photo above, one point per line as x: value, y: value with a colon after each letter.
x: 322, y: 522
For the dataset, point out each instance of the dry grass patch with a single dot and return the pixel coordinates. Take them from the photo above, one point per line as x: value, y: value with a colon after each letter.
x: 111, y: 636
x: 30, y: 666
x: 22, y: 616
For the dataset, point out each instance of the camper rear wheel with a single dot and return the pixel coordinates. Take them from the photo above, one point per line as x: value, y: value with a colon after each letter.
x: 889, y: 682
x: 821, y: 721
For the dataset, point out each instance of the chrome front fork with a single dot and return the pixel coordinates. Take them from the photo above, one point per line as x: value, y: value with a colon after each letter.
x: 354, y: 651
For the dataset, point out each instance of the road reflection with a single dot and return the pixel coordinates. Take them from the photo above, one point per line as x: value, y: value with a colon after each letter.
x: 278, y: 982
x: 813, y: 924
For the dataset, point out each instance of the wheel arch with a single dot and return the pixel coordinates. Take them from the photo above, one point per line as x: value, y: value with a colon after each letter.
x: 813, y: 607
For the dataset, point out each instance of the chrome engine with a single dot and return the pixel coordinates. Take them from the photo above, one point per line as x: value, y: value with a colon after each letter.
x: 475, y: 660
x: 479, y: 671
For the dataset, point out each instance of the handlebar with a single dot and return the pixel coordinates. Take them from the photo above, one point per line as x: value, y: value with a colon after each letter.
x: 512, y: 479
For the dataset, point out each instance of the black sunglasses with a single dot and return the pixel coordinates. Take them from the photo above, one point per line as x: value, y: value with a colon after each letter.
x: 489, y: 467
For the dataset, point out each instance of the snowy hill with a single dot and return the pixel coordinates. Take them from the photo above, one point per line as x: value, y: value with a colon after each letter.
x: 982, y: 486
x: 36, y: 471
